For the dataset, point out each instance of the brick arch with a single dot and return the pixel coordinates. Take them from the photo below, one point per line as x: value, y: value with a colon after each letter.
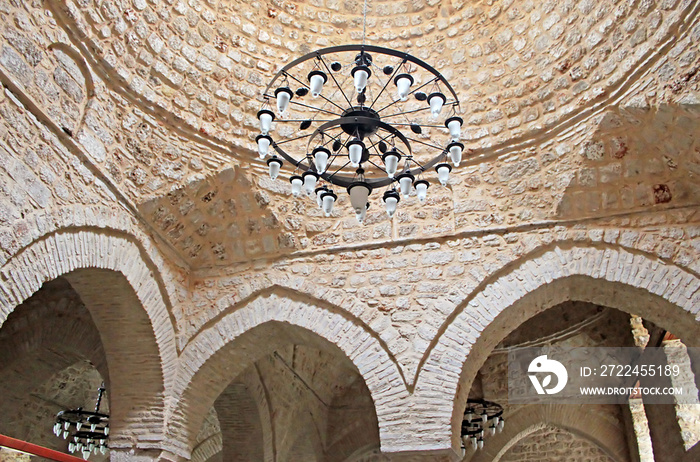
x: 224, y: 348
x: 114, y: 279
x: 610, y: 276
x: 575, y: 419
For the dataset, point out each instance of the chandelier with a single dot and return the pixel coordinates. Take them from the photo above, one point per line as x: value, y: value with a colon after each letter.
x: 361, y: 118
x: 85, y: 431
x: 479, y: 417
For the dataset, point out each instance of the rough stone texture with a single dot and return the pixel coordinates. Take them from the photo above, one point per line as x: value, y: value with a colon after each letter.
x: 551, y: 443
x: 126, y: 167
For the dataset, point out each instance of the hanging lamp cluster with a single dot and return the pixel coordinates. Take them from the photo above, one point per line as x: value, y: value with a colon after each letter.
x: 360, y: 118
x: 87, y: 432
x: 481, y: 418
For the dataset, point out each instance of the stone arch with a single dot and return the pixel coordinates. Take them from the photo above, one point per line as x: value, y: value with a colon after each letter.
x: 620, y: 278
x: 114, y: 280
x: 575, y: 419
x: 225, y: 347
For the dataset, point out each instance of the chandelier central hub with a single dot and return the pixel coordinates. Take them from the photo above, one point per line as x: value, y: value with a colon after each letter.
x: 364, y: 123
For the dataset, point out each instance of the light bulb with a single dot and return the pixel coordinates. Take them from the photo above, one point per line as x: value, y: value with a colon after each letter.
x: 274, y: 166
x: 362, y: 213
x: 501, y: 424
x: 480, y: 443
x: 455, y: 149
x: 296, y: 181
x: 91, y: 446
x: 328, y: 199
x: 65, y: 435
x: 264, y: 142
x: 283, y: 95
x: 316, y: 80
x: 319, y: 192
x: 265, y: 116
x: 310, y: 179
x: 403, y: 85
x: 66, y: 424
x: 78, y: 426
x: 421, y: 189
x: 355, y: 150
x: 454, y: 125
x: 443, y: 171
x: 321, y: 156
x: 405, y: 182
x: 71, y: 447
x: 360, y: 74
x: 492, y: 427
x: 436, y: 101
x: 474, y: 442
x: 484, y: 417
x: 391, y: 199
x: 391, y: 162
x: 86, y: 453
x: 359, y: 191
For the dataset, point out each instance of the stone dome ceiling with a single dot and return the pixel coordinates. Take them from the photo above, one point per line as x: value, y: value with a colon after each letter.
x: 162, y: 95
x: 518, y: 66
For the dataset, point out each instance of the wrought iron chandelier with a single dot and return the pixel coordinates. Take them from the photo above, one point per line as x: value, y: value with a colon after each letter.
x: 481, y: 416
x: 361, y: 118
x: 86, y: 431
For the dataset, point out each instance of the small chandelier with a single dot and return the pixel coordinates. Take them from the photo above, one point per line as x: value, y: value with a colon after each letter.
x: 481, y: 417
x: 361, y: 118
x: 85, y: 431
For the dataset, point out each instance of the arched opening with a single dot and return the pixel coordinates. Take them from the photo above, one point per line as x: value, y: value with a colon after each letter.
x: 51, y: 359
x: 91, y: 315
x: 283, y: 393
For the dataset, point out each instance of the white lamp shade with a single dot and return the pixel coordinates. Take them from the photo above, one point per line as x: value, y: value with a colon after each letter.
x: 443, y: 171
x: 454, y: 125
x: 264, y: 142
x: 391, y: 199
x: 283, y: 95
x: 501, y: 424
x: 474, y: 443
x: 484, y: 417
x: 480, y: 443
x: 274, y: 166
x: 310, y: 179
x: 436, y: 101
x: 355, y: 149
x: 316, y: 80
x: 321, y: 156
x: 297, y: 182
x: 455, y: 150
x: 421, y: 189
x: 403, y: 85
x: 391, y: 162
x: 327, y: 201
x: 360, y: 74
x: 319, y: 193
x: 359, y: 192
x: 492, y: 427
x: 265, y: 117
x: 405, y: 182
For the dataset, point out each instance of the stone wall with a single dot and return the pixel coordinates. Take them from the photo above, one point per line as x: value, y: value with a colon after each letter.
x: 554, y: 444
